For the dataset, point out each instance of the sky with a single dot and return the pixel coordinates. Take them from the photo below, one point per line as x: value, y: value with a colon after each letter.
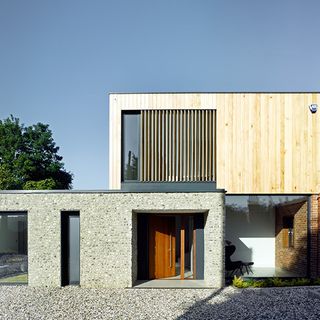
x: 59, y: 59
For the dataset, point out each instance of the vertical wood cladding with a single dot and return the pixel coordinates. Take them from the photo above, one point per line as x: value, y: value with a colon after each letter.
x: 177, y: 145
x: 266, y: 142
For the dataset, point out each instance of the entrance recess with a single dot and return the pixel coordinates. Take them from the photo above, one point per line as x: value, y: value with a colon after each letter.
x: 174, y: 246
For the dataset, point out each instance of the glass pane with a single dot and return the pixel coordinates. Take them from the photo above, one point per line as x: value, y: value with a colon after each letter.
x: 178, y: 246
x: 188, y: 247
x: 266, y: 236
x: 131, y: 138
x: 74, y: 249
x: 13, y: 248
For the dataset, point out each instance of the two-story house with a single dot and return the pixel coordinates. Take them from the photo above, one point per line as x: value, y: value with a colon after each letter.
x: 201, y: 185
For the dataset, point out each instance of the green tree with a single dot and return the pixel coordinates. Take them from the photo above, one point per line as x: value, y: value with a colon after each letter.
x: 29, y: 158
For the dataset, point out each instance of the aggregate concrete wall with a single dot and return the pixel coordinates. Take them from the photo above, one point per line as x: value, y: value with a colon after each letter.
x: 108, y: 233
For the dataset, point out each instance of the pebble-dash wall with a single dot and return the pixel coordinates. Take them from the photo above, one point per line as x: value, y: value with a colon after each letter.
x: 108, y: 233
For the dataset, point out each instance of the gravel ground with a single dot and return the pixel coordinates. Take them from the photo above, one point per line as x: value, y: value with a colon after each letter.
x: 22, y: 302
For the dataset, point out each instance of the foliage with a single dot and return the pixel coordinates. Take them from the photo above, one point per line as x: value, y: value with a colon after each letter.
x: 21, y: 278
x: 131, y: 170
x: 239, y: 282
x: 29, y: 158
x: 46, y: 184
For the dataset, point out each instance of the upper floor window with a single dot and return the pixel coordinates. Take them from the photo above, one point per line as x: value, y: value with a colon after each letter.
x: 169, y: 145
x: 130, y: 146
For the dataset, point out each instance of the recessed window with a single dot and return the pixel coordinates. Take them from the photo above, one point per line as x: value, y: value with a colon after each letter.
x: 288, y: 231
x: 130, y: 146
x: 13, y: 248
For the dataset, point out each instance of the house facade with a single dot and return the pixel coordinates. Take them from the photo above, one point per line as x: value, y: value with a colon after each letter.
x: 190, y: 176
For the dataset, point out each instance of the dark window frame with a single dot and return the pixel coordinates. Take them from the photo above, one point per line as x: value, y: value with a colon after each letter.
x: 18, y: 213
x: 123, y: 113
x: 64, y: 242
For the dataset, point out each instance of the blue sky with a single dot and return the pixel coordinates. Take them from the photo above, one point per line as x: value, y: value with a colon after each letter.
x: 60, y: 59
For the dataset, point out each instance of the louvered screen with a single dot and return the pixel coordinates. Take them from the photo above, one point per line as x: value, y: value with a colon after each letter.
x: 177, y: 145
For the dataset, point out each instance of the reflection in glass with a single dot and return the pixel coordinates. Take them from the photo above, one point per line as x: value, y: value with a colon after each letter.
x: 178, y: 244
x: 74, y: 249
x: 13, y: 248
x: 130, y: 148
x: 188, y: 247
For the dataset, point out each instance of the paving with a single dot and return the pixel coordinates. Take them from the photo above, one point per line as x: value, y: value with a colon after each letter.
x: 23, y: 302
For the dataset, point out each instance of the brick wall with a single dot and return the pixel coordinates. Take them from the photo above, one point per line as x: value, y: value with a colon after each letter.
x: 314, y: 236
x: 293, y: 259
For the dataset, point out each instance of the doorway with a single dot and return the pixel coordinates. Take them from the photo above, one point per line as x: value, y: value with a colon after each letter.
x: 170, y: 246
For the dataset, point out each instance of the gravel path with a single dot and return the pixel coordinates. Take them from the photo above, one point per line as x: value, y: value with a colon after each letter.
x: 22, y: 302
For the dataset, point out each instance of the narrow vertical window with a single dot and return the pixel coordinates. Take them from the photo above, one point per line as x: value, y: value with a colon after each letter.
x: 70, y: 247
x: 288, y: 232
x: 130, y: 146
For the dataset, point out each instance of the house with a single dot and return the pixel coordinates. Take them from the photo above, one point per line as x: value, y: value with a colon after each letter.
x: 188, y: 173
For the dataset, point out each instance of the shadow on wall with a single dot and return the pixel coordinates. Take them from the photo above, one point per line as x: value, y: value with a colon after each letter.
x: 252, y: 231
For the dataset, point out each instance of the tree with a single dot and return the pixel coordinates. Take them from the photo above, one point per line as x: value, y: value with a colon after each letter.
x: 29, y: 158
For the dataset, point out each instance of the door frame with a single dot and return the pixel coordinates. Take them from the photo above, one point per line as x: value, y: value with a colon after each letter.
x: 182, y: 234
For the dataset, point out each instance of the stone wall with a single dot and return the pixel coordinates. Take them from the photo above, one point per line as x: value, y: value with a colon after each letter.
x: 293, y: 258
x: 108, y: 232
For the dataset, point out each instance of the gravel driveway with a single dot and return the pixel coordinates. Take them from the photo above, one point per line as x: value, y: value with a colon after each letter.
x: 22, y: 302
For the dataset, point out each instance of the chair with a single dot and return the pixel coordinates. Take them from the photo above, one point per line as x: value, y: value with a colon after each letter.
x: 232, y: 267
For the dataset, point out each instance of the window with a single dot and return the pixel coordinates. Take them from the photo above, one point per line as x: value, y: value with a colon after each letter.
x: 288, y: 231
x: 70, y: 247
x: 13, y: 247
x: 130, y: 146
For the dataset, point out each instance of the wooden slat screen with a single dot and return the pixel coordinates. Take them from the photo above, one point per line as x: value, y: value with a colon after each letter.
x: 178, y: 145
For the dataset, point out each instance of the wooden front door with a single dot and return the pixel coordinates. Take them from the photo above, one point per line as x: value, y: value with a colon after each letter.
x: 162, y: 247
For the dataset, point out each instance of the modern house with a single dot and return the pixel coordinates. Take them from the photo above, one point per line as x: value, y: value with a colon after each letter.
x: 188, y: 174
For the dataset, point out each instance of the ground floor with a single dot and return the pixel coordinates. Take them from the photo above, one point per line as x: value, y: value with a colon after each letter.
x: 111, y: 239
x: 150, y: 239
x: 71, y: 302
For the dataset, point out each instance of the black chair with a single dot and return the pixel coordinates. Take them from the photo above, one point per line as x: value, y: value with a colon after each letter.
x: 234, y: 267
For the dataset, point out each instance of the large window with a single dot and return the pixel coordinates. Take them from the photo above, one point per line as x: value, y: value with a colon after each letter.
x: 130, y: 146
x: 168, y: 145
x: 266, y: 235
x: 13, y: 247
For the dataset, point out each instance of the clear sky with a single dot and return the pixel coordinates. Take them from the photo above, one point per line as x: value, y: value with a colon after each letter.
x: 59, y: 59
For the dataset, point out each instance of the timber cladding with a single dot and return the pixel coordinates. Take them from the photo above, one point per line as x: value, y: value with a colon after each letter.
x: 177, y: 145
x: 265, y: 142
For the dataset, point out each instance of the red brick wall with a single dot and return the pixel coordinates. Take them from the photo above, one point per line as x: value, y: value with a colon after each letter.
x: 314, y: 236
x: 293, y: 259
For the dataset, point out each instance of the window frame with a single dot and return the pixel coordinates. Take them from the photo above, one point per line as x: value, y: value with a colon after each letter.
x: 123, y: 113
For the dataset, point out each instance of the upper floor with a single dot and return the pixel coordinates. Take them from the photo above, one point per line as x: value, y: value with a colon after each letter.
x: 243, y: 142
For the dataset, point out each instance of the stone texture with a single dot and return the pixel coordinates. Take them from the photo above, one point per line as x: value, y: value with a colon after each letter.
x: 22, y: 302
x: 108, y: 227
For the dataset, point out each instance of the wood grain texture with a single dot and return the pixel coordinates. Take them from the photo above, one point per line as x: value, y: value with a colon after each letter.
x: 268, y: 143
x: 162, y: 244
x: 265, y: 142
x: 177, y: 137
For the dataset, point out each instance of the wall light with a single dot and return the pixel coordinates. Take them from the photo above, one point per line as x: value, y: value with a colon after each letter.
x: 313, y: 107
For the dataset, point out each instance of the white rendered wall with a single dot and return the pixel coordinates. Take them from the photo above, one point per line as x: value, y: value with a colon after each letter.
x: 251, y: 228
